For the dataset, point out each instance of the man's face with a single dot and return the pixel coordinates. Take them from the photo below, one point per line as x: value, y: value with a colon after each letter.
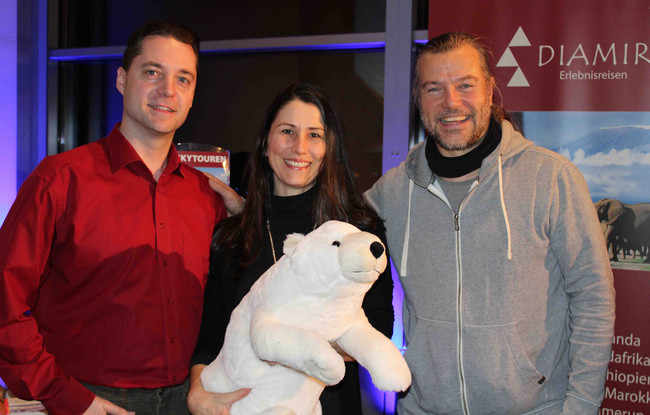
x: 158, y: 88
x: 455, y: 99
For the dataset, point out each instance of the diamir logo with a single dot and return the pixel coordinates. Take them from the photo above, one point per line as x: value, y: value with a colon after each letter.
x: 508, y: 60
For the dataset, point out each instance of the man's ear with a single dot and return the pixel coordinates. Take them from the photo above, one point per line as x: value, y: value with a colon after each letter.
x: 120, y: 80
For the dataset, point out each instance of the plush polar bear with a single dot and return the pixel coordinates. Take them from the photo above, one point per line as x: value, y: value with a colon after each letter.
x: 311, y: 297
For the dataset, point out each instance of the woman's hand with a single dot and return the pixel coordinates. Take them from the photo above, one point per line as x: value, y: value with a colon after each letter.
x: 346, y: 357
x: 202, y: 402
x: 234, y: 203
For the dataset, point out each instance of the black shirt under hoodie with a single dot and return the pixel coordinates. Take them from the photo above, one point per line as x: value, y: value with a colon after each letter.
x: 452, y: 167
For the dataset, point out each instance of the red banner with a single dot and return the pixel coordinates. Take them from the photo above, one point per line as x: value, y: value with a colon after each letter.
x: 580, y: 55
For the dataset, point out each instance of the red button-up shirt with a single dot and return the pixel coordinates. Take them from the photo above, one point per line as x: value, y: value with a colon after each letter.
x: 102, y: 274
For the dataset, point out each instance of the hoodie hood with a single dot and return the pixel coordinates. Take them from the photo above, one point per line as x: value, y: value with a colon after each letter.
x: 417, y: 168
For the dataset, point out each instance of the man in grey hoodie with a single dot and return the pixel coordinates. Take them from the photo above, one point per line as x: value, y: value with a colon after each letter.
x: 509, y: 302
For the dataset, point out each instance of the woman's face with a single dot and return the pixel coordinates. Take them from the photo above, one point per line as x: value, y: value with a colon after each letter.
x: 296, y: 147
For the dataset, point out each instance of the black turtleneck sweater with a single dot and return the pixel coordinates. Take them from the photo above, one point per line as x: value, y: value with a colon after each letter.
x: 292, y: 214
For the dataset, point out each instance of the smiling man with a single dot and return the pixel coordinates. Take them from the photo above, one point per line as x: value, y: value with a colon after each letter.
x: 104, y: 254
x: 509, y: 302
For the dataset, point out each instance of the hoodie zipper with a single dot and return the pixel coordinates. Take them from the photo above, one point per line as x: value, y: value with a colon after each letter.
x: 459, y: 316
x: 461, y: 371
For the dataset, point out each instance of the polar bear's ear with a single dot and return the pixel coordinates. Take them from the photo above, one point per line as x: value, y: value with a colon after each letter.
x: 291, y: 242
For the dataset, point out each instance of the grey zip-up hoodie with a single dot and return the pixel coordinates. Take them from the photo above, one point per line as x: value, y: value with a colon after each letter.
x: 509, y: 306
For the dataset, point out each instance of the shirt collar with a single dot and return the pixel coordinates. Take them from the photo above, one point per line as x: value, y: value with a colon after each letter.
x: 121, y: 153
x: 174, y: 164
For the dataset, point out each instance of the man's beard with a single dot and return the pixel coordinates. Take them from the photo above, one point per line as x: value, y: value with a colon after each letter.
x: 480, y: 119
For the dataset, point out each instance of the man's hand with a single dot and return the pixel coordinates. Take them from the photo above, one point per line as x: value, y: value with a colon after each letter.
x: 234, y: 203
x: 202, y: 402
x: 101, y: 406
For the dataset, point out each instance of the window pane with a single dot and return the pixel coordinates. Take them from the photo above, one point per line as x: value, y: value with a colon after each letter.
x: 95, y: 23
x: 422, y: 14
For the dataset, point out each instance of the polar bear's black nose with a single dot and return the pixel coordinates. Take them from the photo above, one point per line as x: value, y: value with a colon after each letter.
x: 377, y: 249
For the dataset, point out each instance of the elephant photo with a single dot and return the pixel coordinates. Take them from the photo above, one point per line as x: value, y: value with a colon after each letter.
x: 628, y: 227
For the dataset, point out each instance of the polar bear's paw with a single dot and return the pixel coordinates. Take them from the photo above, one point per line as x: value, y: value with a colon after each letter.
x: 396, y: 377
x: 215, y: 379
x: 328, y: 367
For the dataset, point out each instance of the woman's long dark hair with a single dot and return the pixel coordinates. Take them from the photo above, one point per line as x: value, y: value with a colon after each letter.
x: 337, y: 196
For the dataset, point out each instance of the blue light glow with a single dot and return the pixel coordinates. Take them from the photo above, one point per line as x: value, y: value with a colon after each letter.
x: 373, y: 398
x: 115, y: 52
x: 85, y: 57
x: 8, y: 104
x: 303, y: 48
x: 398, y: 299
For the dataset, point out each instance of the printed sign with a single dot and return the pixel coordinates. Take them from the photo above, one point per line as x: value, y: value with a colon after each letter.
x: 582, y: 55
x: 628, y: 375
x: 204, y: 157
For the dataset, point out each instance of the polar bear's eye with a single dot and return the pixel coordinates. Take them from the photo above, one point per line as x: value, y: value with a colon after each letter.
x: 336, y: 243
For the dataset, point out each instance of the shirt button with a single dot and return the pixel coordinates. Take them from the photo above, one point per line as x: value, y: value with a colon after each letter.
x: 174, y: 378
x: 172, y: 340
x: 164, y: 262
x: 162, y: 225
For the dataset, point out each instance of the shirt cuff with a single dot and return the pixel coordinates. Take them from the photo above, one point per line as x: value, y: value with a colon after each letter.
x: 74, y: 400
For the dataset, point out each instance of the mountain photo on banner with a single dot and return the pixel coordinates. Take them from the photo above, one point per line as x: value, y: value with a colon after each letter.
x: 612, y: 150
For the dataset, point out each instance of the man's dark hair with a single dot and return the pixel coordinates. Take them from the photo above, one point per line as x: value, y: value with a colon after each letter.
x: 158, y: 28
x: 454, y: 41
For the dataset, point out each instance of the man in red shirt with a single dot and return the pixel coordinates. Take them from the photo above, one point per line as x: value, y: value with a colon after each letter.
x: 104, y: 254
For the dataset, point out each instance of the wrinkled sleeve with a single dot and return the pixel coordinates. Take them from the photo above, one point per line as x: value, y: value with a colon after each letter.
x: 578, y: 244
x: 373, y: 196
x: 26, y: 367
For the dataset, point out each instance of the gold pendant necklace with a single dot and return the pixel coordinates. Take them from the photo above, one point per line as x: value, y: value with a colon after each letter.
x: 268, y: 227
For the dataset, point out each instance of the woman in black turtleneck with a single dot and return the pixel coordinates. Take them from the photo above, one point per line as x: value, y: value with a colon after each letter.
x: 298, y: 178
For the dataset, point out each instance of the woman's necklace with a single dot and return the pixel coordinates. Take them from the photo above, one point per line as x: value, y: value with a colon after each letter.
x: 268, y: 227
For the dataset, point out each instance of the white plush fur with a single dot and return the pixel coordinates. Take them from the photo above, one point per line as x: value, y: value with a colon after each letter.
x: 309, y: 299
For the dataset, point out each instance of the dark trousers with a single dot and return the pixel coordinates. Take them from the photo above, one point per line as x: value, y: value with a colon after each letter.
x: 170, y: 400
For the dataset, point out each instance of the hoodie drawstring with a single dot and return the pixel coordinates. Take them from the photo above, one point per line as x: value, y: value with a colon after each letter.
x: 405, y: 248
x: 503, y: 209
